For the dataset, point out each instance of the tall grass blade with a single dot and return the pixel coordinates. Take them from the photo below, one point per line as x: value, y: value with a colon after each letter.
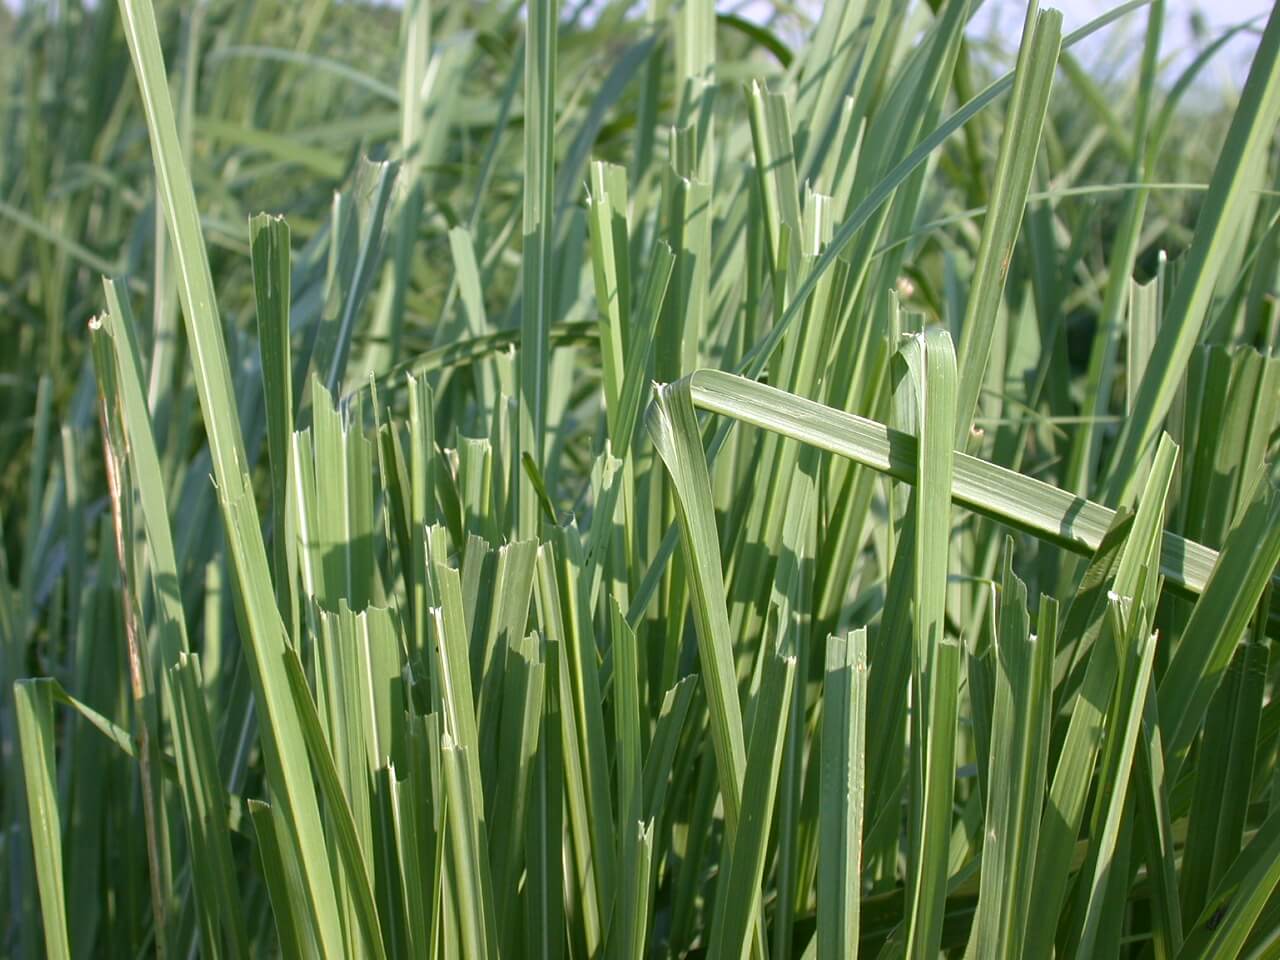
x: 1251, y: 130
x: 33, y: 701
x: 930, y: 376
x: 840, y: 806
x: 1019, y: 142
x: 538, y: 226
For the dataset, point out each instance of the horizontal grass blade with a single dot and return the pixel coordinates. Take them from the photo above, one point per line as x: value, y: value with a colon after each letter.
x: 993, y: 491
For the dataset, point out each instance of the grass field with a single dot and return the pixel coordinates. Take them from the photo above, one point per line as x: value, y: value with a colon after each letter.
x: 650, y: 484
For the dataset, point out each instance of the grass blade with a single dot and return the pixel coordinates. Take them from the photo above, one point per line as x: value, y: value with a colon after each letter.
x: 33, y: 700
x: 674, y: 431
x: 1019, y: 143
x: 269, y: 242
x: 1019, y: 756
x: 206, y: 803
x: 739, y: 900
x: 1251, y: 131
x: 1012, y: 498
x: 538, y: 229
x: 840, y: 807
x: 931, y: 372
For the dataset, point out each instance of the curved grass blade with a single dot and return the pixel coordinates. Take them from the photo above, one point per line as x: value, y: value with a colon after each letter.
x: 674, y: 430
x: 284, y: 748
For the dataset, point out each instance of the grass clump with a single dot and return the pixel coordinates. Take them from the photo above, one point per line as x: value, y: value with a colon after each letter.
x: 663, y: 488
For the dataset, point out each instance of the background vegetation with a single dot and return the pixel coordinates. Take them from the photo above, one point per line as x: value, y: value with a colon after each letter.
x: 361, y: 596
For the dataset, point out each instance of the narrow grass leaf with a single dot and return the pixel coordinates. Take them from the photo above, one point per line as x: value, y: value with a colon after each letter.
x: 840, y: 805
x: 1252, y: 127
x: 33, y: 700
x: 1019, y: 142
x: 738, y: 901
x: 931, y: 370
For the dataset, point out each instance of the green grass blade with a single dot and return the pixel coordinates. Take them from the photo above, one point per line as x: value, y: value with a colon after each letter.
x: 840, y: 806
x: 195, y: 285
x: 572, y: 806
x: 1252, y: 128
x: 285, y: 750
x: 611, y: 263
x: 454, y: 672
x: 639, y: 346
x: 931, y: 369
x: 33, y: 701
x: 1122, y: 743
x: 1019, y: 143
x: 587, y: 712
x: 291, y: 929
x: 674, y: 430
x: 269, y: 242
x: 635, y: 855
x: 1240, y: 897
x: 358, y: 874
x: 1239, y: 579
x: 1155, y: 824
x: 634, y: 909
x: 1224, y: 772
x: 1073, y: 771
x: 1001, y: 494
x: 538, y: 225
x: 284, y: 744
x: 205, y: 800
x: 775, y: 167
x: 626, y: 705
x: 422, y: 465
x: 142, y: 686
x: 512, y: 593
x: 359, y: 225
x: 662, y: 748
x: 469, y: 871
x: 104, y: 725
x: 544, y: 873
x: 1019, y: 756
x: 738, y: 901
x: 523, y: 705
x: 145, y: 471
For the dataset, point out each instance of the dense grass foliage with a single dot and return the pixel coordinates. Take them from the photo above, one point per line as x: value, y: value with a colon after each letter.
x: 649, y: 485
